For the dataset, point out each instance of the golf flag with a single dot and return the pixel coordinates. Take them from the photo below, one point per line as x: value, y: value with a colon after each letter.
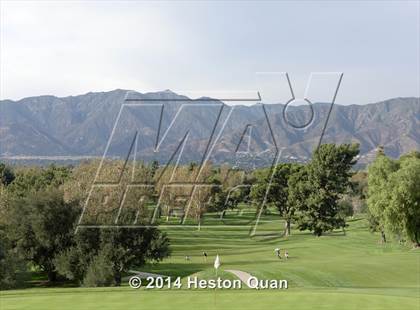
x: 217, y: 262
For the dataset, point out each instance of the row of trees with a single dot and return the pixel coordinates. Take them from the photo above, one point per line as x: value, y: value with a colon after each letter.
x: 40, y: 207
x: 320, y: 195
x: 311, y: 195
x: 37, y: 230
x: 151, y: 193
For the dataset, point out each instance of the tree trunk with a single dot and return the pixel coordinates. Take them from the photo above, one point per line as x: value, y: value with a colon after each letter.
x: 287, y: 228
x: 117, y: 279
x: 52, y: 276
x: 383, y: 238
x: 416, y: 241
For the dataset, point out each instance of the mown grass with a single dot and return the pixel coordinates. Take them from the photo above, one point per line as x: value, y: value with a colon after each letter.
x: 339, y: 270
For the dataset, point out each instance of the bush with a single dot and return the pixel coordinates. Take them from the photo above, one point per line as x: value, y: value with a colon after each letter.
x: 41, y: 226
x: 99, y: 272
x: 345, y: 208
x: 12, y: 268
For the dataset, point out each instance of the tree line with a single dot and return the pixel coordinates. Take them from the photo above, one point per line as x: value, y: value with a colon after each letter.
x: 40, y: 208
x: 37, y: 231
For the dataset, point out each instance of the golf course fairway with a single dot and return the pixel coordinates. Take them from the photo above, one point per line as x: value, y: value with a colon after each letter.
x: 339, y: 270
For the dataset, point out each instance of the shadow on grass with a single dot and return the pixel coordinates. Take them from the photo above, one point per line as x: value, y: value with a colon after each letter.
x: 173, y: 269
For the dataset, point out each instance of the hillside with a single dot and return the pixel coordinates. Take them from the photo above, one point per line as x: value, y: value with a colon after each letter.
x: 75, y: 127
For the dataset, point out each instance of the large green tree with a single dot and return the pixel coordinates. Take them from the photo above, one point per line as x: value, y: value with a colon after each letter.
x: 115, y: 249
x: 273, y: 187
x: 325, y: 180
x: 41, y: 226
x: 404, y: 209
x: 405, y: 201
x: 394, y: 196
x: 379, y: 173
x: 12, y: 267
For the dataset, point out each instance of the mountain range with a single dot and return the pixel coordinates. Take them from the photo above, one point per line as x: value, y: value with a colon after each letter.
x: 164, y: 125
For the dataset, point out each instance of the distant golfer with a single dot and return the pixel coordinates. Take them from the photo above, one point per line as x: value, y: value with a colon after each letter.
x: 187, y: 257
x: 205, y: 256
x: 286, y: 254
x: 277, y: 250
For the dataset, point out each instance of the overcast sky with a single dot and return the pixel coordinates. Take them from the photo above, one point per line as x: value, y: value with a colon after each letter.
x: 70, y: 48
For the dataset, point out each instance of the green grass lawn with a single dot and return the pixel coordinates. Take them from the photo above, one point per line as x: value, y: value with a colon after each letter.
x: 335, y: 271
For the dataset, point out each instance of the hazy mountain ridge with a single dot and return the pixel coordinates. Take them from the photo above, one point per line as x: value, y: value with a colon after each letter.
x: 81, y: 126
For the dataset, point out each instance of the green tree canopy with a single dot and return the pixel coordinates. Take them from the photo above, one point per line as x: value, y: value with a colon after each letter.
x: 394, y: 196
x: 41, y: 226
x: 117, y: 249
x: 30, y: 180
x: 318, y: 191
x: 6, y: 174
x: 379, y: 195
x: 274, y: 187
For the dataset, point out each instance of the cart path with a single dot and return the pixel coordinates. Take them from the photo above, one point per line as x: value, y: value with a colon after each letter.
x: 242, y: 275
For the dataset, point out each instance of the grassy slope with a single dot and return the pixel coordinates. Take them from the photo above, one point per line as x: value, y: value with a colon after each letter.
x: 335, y: 271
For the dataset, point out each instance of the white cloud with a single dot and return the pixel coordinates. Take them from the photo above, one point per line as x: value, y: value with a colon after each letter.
x: 67, y: 48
